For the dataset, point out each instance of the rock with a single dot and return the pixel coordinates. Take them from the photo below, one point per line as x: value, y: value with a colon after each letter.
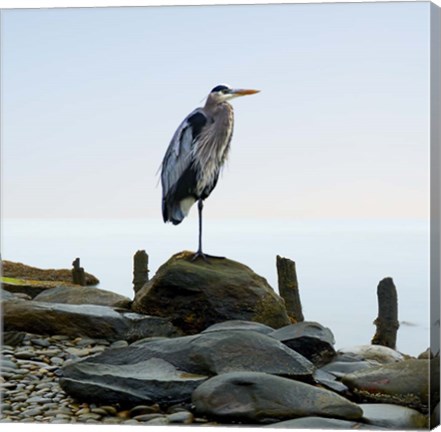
x: 320, y: 423
x: 146, y: 381
x: 342, y: 368
x: 30, y: 288
x: 18, y: 270
x: 198, y: 294
x: 403, y: 383
x: 376, y: 353
x: 393, y: 416
x: 262, y: 398
x: 214, y: 353
x: 310, y: 339
x: 13, y: 338
x: 183, y: 417
x: 82, y: 320
x: 239, y: 325
x: 329, y: 381
x: 83, y: 295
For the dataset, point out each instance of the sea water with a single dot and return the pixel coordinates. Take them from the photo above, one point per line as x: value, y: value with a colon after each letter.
x: 339, y: 263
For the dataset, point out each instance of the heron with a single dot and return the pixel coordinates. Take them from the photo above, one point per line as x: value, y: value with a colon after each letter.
x: 195, y: 156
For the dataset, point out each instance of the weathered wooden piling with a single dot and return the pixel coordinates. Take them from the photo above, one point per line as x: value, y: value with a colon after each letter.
x: 140, y: 269
x: 289, y: 288
x: 78, y: 274
x: 387, y: 320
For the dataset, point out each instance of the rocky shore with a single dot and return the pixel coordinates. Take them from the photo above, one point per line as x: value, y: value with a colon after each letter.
x: 202, y: 343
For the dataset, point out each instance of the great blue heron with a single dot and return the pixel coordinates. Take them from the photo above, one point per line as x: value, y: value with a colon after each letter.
x: 195, y: 156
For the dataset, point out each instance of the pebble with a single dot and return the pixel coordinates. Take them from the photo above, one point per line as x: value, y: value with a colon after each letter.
x: 144, y: 409
x: 119, y: 344
x: 184, y: 417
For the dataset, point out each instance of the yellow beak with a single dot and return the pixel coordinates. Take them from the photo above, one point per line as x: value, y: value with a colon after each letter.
x: 244, y: 92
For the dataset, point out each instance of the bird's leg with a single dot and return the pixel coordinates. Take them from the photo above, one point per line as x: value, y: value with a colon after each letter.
x: 199, y: 252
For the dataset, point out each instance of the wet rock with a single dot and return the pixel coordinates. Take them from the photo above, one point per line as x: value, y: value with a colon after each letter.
x: 329, y: 381
x: 146, y: 381
x: 197, y: 294
x: 320, y: 423
x: 262, y: 398
x: 403, y: 383
x: 376, y: 353
x: 310, y: 339
x: 214, y: 353
x: 393, y: 416
x: 84, y: 320
x: 83, y: 295
x: 240, y: 325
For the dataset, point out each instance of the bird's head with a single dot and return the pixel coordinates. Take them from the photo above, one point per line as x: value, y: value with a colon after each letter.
x: 223, y: 93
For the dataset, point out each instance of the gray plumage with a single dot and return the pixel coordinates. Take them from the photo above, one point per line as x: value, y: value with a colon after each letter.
x: 196, y: 154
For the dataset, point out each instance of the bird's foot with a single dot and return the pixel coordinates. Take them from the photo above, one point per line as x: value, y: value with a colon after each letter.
x: 200, y: 254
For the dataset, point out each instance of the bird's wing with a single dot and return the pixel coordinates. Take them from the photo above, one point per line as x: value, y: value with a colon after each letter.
x: 178, y: 157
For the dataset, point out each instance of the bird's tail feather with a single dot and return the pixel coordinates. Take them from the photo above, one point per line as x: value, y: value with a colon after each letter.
x: 176, y: 212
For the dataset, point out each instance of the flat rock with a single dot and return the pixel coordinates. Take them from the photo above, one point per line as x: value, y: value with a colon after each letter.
x: 83, y: 295
x: 147, y: 381
x: 403, y: 383
x: 393, y: 416
x: 341, y: 368
x: 322, y: 423
x: 240, y: 325
x: 210, y: 354
x: 377, y: 353
x: 257, y: 397
x: 197, y: 294
x: 310, y: 339
x: 82, y: 320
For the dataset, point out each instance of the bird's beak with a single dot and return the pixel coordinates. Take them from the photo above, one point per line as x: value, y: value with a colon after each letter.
x: 243, y: 92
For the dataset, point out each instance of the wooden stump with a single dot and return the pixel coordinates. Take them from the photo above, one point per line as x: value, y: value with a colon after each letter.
x: 289, y: 288
x: 387, y: 321
x: 78, y: 274
x: 140, y: 269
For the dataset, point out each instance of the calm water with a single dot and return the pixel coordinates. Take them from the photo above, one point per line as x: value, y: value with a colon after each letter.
x: 339, y: 264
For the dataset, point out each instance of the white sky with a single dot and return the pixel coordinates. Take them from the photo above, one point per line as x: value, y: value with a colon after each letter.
x: 91, y: 98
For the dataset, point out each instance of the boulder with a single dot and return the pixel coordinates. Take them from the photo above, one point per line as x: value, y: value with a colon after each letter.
x: 210, y: 354
x: 146, y: 382
x: 310, y: 339
x: 256, y: 397
x: 403, y: 383
x: 197, y: 294
x: 82, y: 320
x: 321, y: 423
x: 83, y: 295
x: 393, y: 416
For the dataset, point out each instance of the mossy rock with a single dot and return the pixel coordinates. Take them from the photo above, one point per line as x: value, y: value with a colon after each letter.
x: 197, y: 294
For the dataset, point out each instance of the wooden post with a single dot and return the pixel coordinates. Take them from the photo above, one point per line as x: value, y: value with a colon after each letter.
x: 387, y: 321
x: 78, y: 274
x: 140, y: 269
x: 289, y: 288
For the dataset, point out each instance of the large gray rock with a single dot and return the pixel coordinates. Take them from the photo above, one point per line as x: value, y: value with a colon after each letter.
x: 82, y: 320
x: 140, y: 370
x: 256, y: 397
x: 212, y: 353
x: 83, y: 295
x: 320, y: 423
x: 145, y: 382
x: 393, y: 416
x: 310, y: 339
x: 197, y: 294
x: 403, y: 383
